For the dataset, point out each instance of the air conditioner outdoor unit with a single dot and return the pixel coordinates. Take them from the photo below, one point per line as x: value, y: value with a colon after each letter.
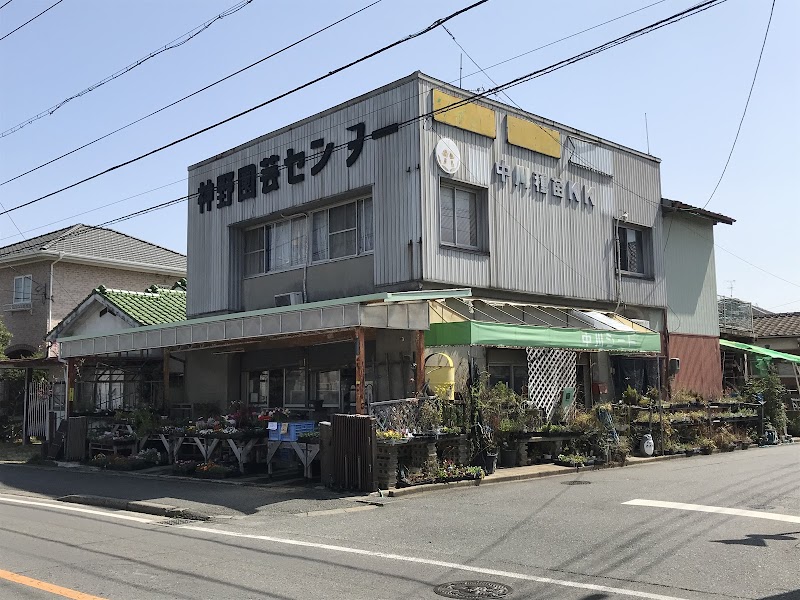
x: 289, y: 299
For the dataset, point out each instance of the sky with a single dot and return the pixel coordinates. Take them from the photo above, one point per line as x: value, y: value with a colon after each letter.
x: 691, y: 79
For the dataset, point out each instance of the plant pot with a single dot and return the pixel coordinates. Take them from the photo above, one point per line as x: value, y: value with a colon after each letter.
x: 508, y: 457
x: 745, y: 445
x: 488, y: 461
x: 690, y: 452
x: 706, y: 451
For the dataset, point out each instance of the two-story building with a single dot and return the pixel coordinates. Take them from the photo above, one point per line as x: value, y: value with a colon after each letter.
x: 324, y: 256
x: 46, y: 276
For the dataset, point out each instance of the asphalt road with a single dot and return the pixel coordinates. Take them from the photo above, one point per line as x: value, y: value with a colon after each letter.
x: 542, y: 538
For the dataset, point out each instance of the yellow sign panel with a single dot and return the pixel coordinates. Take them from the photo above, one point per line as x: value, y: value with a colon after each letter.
x: 530, y: 135
x: 467, y: 116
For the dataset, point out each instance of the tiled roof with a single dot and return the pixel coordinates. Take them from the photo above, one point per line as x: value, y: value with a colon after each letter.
x: 777, y: 325
x: 155, y: 306
x: 97, y: 242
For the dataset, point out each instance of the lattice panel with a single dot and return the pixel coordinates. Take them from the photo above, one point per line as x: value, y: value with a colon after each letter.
x: 550, y: 370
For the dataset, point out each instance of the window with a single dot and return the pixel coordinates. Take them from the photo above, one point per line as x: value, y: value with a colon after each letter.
x: 110, y: 390
x: 22, y: 290
x: 460, y: 219
x: 275, y: 246
x: 514, y: 376
x: 342, y: 231
x: 278, y: 388
x: 634, y: 250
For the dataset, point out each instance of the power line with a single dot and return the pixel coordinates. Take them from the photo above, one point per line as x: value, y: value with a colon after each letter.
x: 746, y: 104
x: 177, y: 42
x: 674, y: 18
x: 29, y: 20
x: 6, y: 4
x: 218, y: 81
x: 298, y: 42
x: 364, y: 58
x: 538, y: 73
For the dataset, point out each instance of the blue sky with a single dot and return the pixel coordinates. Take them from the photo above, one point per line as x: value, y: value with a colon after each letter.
x: 691, y: 79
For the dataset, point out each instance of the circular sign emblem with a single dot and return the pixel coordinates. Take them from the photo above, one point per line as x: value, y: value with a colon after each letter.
x: 448, y: 156
x: 472, y: 589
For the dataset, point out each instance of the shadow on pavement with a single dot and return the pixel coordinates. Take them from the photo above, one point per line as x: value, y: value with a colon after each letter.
x: 755, y: 539
x: 212, y: 497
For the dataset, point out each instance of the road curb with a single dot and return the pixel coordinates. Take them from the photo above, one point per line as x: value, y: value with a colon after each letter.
x: 137, y: 506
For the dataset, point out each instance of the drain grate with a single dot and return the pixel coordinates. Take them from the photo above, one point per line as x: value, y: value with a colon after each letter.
x: 576, y: 482
x: 472, y: 589
x: 761, y: 507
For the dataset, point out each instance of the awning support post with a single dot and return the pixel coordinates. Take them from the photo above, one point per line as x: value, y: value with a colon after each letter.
x: 165, y: 375
x: 360, y: 371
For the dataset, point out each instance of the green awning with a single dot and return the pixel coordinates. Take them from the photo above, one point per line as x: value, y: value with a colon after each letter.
x: 480, y: 333
x: 759, y: 350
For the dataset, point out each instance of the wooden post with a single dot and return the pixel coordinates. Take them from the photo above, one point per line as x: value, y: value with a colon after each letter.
x: 360, y: 371
x: 165, y: 374
x: 420, y: 349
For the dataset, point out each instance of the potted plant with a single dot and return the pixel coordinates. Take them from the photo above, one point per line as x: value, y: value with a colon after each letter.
x: 707, y: 445
x: 508, y: 449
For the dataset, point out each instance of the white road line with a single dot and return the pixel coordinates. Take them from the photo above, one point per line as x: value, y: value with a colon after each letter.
x: 436, y: 563
x: 721, y: 510
x: 77, y: 509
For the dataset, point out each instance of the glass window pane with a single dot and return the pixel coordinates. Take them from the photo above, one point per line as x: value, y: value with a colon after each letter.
x: 28, y: 284
x: 254, y: 240
x: 466, y: 219
x: 280, y: 245
x: 343, y: 244
x: 327, y: 384
x: 276, y: 388
x: 366, y: 233
x: 520, y: 373
x: 446, y: 216
x: 296, y: 387
x: 342, y: 217
x: 319, y: 236
x: 298, y: 241
x: 498, y: 373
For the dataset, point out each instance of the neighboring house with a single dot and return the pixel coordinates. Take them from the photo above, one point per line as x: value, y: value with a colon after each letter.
x: 326, y: 255
x: 781, y: 332
x: 131, y: 377
x: 693, y: 327
x: 46, y: 276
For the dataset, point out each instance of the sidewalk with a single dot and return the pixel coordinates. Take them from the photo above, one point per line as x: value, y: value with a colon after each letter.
x: 198, y: 496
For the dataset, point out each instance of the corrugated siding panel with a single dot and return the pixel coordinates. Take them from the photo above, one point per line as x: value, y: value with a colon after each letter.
x: 590, y: 156
x: 701, y: 370
x: 539, y: 246
x: 388, y: 165
x: 691, y: 276
x: 637, y: 191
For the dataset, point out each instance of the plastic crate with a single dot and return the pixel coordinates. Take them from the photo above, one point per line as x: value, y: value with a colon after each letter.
x: 295, y: 429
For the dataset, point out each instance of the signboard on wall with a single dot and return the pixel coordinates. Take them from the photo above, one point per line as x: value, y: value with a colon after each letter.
x: 274, y: 170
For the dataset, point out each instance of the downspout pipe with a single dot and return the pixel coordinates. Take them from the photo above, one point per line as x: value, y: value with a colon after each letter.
x: 50, y: 293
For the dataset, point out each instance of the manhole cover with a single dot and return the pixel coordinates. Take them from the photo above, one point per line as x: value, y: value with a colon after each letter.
x: 472, y: 589
x: 576, y: 482
x: 761, y: 507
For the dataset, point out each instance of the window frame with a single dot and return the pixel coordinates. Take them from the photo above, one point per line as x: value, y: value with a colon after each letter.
x: 481, y: 217
x: 268, y: 250
x: 360, y: 231
x: 27, y: 282
x: 646, y: 251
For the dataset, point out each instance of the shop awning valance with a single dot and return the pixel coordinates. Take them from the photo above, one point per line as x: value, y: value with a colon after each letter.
x: 481, y: 333
x: 759, y: 350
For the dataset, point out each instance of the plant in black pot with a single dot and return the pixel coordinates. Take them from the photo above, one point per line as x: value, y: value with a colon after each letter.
x: 706, y: 445
x: 506, y: 437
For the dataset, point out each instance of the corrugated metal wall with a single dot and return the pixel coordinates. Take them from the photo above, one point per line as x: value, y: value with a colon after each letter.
x: 691, y: 276
x: 388, y: 166
x: 537, y: 245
